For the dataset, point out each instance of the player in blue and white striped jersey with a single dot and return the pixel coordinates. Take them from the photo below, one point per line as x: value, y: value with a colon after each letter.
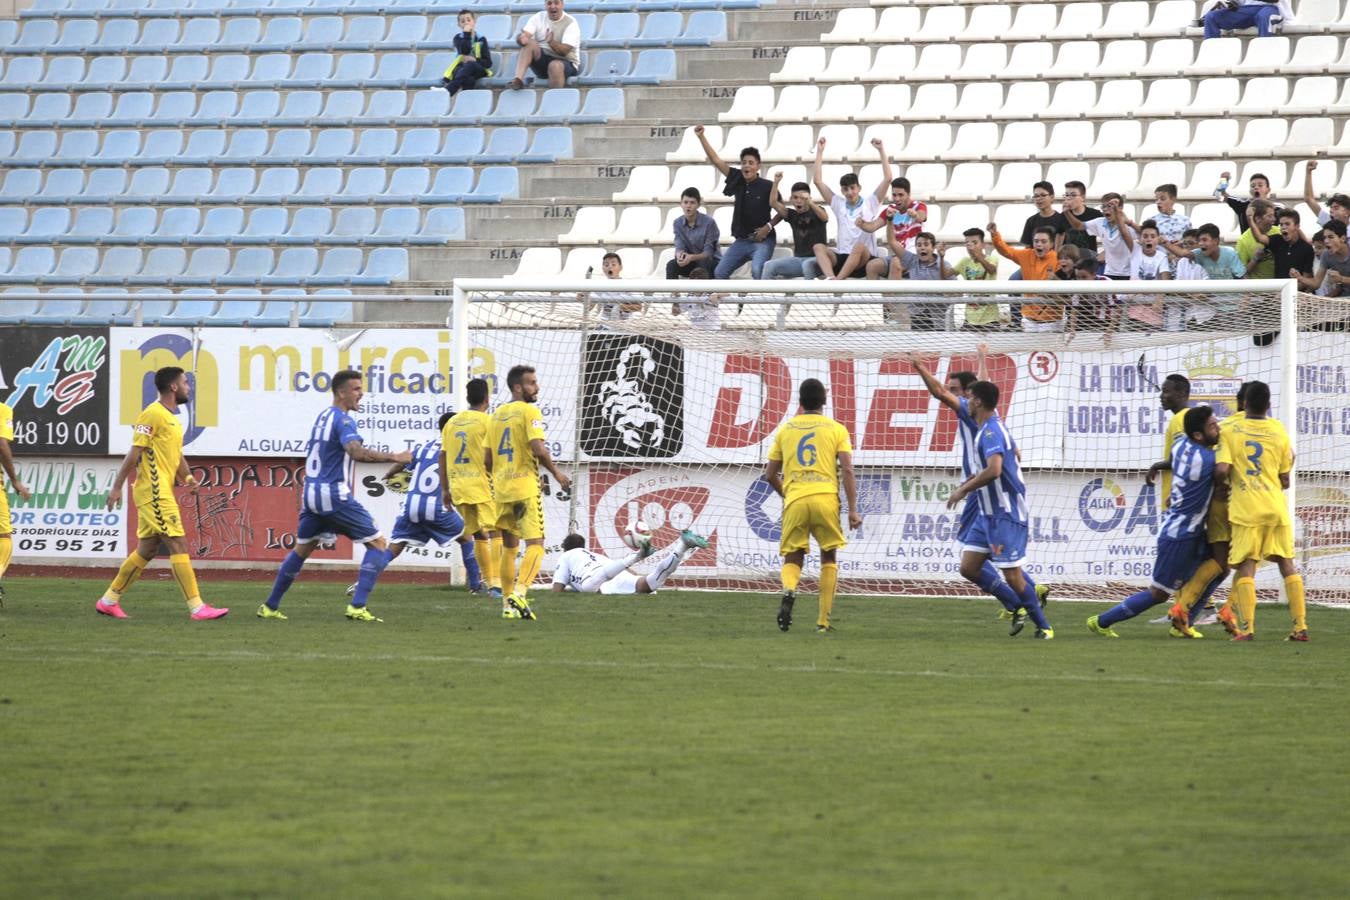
x: 1182, y: 542
x: 999, y: 531
x: 327, y: 507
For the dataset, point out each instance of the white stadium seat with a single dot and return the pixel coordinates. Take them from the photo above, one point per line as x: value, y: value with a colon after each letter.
x: 847, y: 64
x: 1015, y: 179
x: 1166, y: 96
x: 1121, y: 97
x: 1034, y: 21
x: 645, y: 184
x: 801, y: 64
x: 591, y: 225
x: 690, y: 149
x: 899, y: 23
x: 1219, y: 96
x: 797, y: 103
x: 791, y: 143
x: 1079, y: 20
x: 1217, y: 56
x: 1116, y: 138
x: 990, y: 23
x: 842, y: 101
x: 1169, y: 56
x: 857, y: 25
x: 941, y: 23
x: 640, y: 223
x: 1210, y: 135
x: 751, y: 104
x: 885, y: 103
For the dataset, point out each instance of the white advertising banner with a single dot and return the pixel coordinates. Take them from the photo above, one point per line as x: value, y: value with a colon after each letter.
x: 67, y: 516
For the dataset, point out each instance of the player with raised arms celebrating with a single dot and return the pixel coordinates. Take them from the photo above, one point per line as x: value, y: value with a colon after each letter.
x: 465, y: 470
x: 327, y: 506
x: 808, y: 457
x: 156, y: 456
x: 1182, y: 540
x: 7, y: 464
x: 999, y: 533
x: 516, y: 441
x: 590, y: 573
x: 955, y: 395
x: 1256, y: 457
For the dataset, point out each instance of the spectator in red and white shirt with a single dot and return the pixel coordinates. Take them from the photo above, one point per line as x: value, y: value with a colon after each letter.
x: 903, y: 219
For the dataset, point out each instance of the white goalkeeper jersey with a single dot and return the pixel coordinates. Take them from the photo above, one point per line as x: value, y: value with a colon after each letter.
x: 576, y: 567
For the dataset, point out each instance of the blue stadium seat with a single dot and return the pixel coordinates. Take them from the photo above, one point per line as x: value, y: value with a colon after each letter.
x: 190, y: 312
x: 48, y: 224
x: 512, y: 107
x: 396, y: 69
x: 353, y: 70
x: 119, y: 146
x: 107, y: 312
x: 703, y: 28
x: 63, y: 71
x: 326, y: 313
x: 54, y: 309
x: 376, y: 146
x: 161, y: 147
x: 505, y: 145
x: 205, y: 265
x: 234, y: 185
x: 13, y: 108
x: 247, y: 145
x: 133, y: 108
x: 556, y: 106
x: 199, y: 34
x: 294, y: 265
x: 462, y: 145
x: 118, y: 265
x: 602, y: 104
x: 30, y: 263
x: 158, y: 34
x: 106, y: 71
x: 149, y: 73
x: 49, y: 109
x: 35, y: 148
x: 420, y: 145
x: 405, y: 32
x: 277, y: 184
x: 299, y: 108
x: 289, y: 145
x: 14, y: 221
x: 311, y: 70
x: 258, y: 108
x: 186, y: 71
x: 407, y: 185
x: 240, y: 34
x: 397, y: 225
x: 274, y: 313
x: 363, y: 183
x: 74, y: 264
x: 151, y: 312
x: 320, y: 185
x: 134, y: 223
x: 270, y: 70
x: 451, y: 185
x: 616, y: 30
x: 496, y: 183
x: 6, y: 144
x: 363, y: 33
x: 117, y: 35
x: 265, y: 225
x: 283, y: 32
x: 323, y: 33
x: 204, y: 145
x: 443, y: 223
x: 20, y: 184
x: 190, y: 185
x: 659, y: 30
x: 174, y: 108
x: 331, y: 147
x: 216, y: 107
x: 36, y: 36
x: 63, y: 186
x: 23, y: 71
x: 496, y: 28
x: 77, y: 148
x: 384, y: 265
x: 221, y: 225
x: 606, y: 67
x: 228, y: 70
x: 340, y: 266
x: 441, y: 34
x: 653, y: 67
x: 432, y: 68
x: 353, y: 225
x: 309, y: 225
x: 161, y: 264
x: 92, y: 224
x: 91, y: 109
x: 9, y: 32
x: 342, y: 107
x: 549, y: 144
x: 237, y: 311
x: 108, y: 186
x: 178, y: 225
x: 429, y: 107
x: 250, y: 265
x: 147, y: 185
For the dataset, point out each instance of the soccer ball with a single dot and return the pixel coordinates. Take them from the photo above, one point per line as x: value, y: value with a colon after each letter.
x: 637, y: 535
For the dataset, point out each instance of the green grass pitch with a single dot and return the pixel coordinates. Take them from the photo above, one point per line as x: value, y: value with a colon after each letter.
x: 670, y: 746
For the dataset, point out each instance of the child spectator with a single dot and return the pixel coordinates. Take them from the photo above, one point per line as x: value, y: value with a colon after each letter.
x: 1091, y: 310
x: 1038, y: 263
x: 1260, y: 188
x: 807, y: 220
x: 1334, y: 275
x: 855, y: 250
x: 1171, y: 224
x: 1260, y: 217
x: 752, y: 238
x: 977, y: 266
x: 474, y: 60
x: 1338, y: 207
x: 926, y: 263
x: 1075, y: 201
x: 696, y: 239
x: 1291, y: 254
x: 612, y: 306
x: 903, y: 219
x: 1147, y: 263
x: 1043, y: 196
x: 1218, y: 261
x: 1114, y: 233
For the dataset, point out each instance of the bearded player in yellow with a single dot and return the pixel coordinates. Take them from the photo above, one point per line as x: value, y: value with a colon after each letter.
x: 466, y: 467
x: 7, y: 464
x: 1256, y: 457
x: 807, y: 457
x: 516, y: 441
x: 156, y: 455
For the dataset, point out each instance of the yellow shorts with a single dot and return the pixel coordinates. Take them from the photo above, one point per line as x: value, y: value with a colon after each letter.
x: 1261, y: 542
x: 5, y: 526
x: 478, y: 516
x: 523, y: 518
x: 159, y: 518
x: 813, y: 516
x: 1217, y: 529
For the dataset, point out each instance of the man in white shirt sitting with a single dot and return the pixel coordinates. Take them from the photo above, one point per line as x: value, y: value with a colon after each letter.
x: 590, y: 573
x: 549, y: 47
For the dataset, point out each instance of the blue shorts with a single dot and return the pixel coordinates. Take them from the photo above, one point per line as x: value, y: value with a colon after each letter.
x: 1177, y: 561
x: 969, y: 512
x: 998, y: 537
x: 348, y: 518
x: 447, y: 527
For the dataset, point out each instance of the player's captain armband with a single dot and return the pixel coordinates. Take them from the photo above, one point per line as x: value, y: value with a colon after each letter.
x: 142, y: 429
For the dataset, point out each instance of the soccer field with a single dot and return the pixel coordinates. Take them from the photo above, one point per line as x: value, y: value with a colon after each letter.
x: 677, y: 746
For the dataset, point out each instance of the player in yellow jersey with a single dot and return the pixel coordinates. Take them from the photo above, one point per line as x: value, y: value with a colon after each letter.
x: 156, y: 455
x: 516, y: 442
x: 809, y: 456
x: 7, y: 464
x: 1256, y: 457
x: 1175, y: 397
x: 1185, y: 613
x: 466, y: 468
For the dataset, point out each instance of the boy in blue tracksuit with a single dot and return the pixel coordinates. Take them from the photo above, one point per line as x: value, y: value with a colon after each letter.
x: 474, y: 60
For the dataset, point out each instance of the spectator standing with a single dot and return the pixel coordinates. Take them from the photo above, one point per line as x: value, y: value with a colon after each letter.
x: 612, y: 306
x: 1260, y: 188
x: 807, y: 220
x: 550, y: 45
x: 977, y: 266
x: 696, y: 239
x: 1290, y: 253
x: 1114, y: 233
x: 1334, y: 278
x: 752, y: 238
x: 1092, y: 310
x: 1338, y: 207
x: 1043, y: 196
x: 1259, y: 263
x: 474, y: 60
x: 903, y: 219
x: 926, y: 263
x: 1187, y: 269
x: 1234, y: 15
x: 1148, y: 263
x: 1075, y: 201
x: 1067, y: 257
x: 1171, y: 224
x: 1218, y: 261
x: 851, y: 243
x: 1037, y: 263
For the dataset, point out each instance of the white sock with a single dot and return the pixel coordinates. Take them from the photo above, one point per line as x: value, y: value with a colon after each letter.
x: 616, y: 566
x: 664, y: 569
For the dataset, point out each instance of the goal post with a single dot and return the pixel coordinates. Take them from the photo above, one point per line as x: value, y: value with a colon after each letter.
x: 663, y: 396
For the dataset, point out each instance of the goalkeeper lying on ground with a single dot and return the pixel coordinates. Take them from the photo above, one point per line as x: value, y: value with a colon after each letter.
x: 581, y: 570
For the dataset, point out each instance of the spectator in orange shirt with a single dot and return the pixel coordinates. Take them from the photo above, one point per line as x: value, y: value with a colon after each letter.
x: 1038, y: 263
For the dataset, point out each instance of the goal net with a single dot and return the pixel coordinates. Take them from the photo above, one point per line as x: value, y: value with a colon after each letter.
x: 662, y: 404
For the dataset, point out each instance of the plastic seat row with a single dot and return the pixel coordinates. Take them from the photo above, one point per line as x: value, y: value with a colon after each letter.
x: 42, y: 9
x: 196, y: 71
x: 283, y: 147
x: 1125, y: 58
x: 250, y: 266
x: 1256, y: 96
x: 227, y: 225
x: 259, y: 186
x: 556, y: 106
x: 377, y: 32
x: 67, y: 305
